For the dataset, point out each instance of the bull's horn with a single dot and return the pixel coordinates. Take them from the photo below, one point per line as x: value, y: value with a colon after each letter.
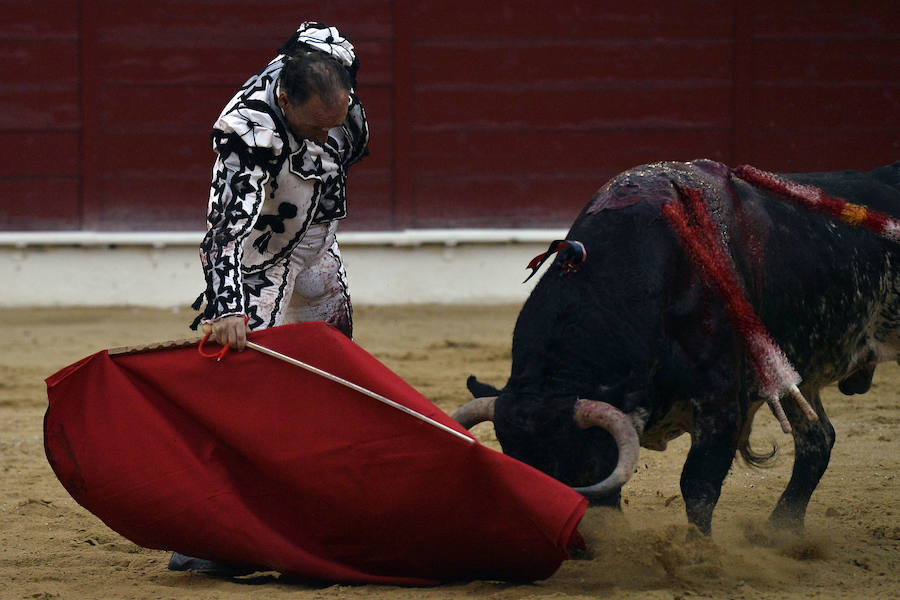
x: 475, y: 412
x: 591, y: 413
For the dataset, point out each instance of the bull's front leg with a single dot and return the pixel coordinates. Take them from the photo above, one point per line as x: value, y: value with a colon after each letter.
x: 713, y: 444
x: 813, y: 441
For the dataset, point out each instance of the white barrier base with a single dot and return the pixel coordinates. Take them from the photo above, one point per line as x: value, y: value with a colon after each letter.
x: 455, y: 266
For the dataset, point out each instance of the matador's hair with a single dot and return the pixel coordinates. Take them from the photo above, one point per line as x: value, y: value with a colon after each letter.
x: 312, y: 73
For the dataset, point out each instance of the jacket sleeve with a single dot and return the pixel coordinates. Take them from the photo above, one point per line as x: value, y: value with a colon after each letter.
x: 236, y: 196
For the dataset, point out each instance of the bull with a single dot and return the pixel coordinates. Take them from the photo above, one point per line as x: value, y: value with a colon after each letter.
x: 636, y: 348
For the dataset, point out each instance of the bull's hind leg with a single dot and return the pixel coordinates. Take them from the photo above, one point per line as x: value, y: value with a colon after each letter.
x: 713, y: 444
x: 813, y: 441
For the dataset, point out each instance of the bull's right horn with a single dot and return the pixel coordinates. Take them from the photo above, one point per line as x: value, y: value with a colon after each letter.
x: 591, y: 413
x: 475, y: 412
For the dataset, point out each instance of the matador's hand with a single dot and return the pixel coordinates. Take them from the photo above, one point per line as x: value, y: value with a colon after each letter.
x: 229, y: 330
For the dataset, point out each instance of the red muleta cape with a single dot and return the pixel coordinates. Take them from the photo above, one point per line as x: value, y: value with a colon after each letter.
x: 254, y: 461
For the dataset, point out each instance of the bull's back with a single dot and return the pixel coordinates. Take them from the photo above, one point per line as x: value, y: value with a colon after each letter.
x: 814, y: 283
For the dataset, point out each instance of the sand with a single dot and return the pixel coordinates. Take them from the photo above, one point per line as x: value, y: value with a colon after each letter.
x: 52, y: 548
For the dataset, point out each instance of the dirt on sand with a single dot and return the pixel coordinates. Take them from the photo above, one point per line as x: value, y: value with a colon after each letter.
x: 50, y: 547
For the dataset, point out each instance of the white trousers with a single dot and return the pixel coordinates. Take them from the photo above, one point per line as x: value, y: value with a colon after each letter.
x: 307, y: 286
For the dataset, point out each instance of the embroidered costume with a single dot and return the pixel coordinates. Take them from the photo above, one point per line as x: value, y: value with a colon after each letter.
x: 270, y: 251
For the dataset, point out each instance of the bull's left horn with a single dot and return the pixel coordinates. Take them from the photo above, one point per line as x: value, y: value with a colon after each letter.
x: 591, y: 413
x: 475, y: 412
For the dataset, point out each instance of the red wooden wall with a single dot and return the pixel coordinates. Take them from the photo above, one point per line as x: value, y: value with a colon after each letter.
x: 508, y: 113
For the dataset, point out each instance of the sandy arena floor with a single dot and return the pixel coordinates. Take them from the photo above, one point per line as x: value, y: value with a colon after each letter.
x: 52, y: 548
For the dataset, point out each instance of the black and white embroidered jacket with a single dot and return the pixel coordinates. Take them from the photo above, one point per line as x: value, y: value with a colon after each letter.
x: 269, y: 189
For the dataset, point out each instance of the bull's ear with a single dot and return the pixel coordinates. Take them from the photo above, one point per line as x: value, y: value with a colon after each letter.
x: 480, y: 390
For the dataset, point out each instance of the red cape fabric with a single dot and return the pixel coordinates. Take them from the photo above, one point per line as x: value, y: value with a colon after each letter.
x: 254, y: 461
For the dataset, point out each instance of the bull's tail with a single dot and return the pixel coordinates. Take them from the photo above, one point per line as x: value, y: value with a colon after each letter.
x: 754, y: 459
x: 750, y: 456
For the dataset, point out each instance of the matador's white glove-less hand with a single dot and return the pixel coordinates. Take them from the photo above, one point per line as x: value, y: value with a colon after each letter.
x: 229, y: 330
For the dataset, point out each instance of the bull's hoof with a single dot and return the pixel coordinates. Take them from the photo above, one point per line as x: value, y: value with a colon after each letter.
x: 769, y: 535
x: 786, y: 524
x: 788, y: 517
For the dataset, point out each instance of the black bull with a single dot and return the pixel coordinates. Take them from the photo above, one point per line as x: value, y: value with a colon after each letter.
x: 635, y: 327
